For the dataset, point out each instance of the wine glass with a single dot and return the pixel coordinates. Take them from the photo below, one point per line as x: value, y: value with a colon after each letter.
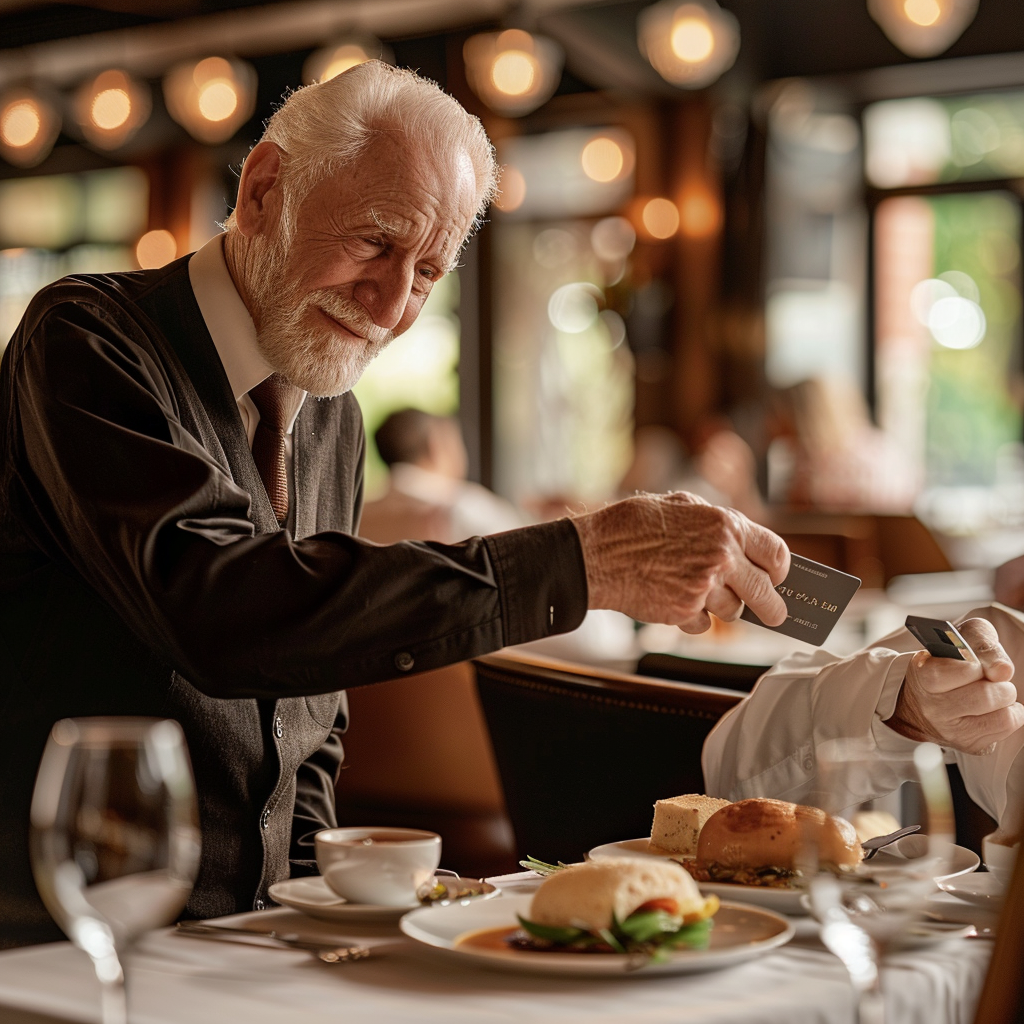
x: 114, y: 838
x: 865, y: 910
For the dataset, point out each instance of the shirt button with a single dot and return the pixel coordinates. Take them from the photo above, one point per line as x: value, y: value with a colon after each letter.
x: 278, y: 727
x: 404, y: 661
x: 259, y: 905
x: 265, y: 820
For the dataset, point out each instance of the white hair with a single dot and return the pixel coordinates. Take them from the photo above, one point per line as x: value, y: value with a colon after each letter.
x: 323, y: 127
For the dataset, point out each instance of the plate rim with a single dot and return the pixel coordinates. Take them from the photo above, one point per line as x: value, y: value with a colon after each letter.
x: 971, y: 855
x: 612, y: 964
x: 347, y: 908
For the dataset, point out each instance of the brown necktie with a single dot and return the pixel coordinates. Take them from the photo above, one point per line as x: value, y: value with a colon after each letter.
x: 277, y: 402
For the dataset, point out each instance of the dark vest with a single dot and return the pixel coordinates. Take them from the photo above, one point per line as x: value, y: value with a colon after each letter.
x: 65, y: 652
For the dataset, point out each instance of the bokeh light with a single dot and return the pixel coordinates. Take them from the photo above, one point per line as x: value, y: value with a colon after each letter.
x: 922, y: 12
x: 29, y: 125
x: 574, y: 307
x: 660, y: 217
x: 612, y: 238
x: 514, y: 72
x: 603, y: 159
x: 111, y: 108
x: 155, y: 249
x: 211, y: 98
x: 692, y: 40
x: 352, y: 49
x: 699, y: 213
x: 513, y: 189
x: 956, y: 322
x: 21, y: 124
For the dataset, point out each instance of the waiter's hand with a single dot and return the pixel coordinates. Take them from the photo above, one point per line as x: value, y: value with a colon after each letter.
x: 673, y: 558
x: 968, y: 705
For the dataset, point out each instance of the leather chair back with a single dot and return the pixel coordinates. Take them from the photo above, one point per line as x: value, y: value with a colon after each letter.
x: 583, y: 753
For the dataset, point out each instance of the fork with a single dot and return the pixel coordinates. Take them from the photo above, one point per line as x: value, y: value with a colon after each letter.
x: 329, y: 952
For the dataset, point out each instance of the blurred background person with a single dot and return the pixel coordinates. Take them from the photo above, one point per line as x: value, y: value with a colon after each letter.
x: 428, y: 495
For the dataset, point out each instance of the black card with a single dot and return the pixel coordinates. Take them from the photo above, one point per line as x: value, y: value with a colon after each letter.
x: 939, y: 638
x: 815, y: 595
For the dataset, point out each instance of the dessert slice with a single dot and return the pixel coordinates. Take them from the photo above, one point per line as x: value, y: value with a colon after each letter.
x: 678, y: 821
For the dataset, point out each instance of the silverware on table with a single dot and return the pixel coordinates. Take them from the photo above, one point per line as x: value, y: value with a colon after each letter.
x: 872, y: 846
x: 329, y: 952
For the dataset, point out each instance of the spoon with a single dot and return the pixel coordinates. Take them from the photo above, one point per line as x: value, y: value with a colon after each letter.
x: 872, y: 846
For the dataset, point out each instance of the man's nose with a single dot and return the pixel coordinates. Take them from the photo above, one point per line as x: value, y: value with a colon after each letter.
x: 385, y: 295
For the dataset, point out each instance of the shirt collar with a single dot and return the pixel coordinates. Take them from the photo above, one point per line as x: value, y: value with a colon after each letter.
x: 227, y: 319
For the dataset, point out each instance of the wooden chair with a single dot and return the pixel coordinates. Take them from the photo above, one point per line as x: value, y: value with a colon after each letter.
x: 417, y: 754
x: 583, y: 753
x: 729, y: 675
x: 1002, y: 997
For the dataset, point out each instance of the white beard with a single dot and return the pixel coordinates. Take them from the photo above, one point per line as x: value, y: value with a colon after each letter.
x: 295, y: 340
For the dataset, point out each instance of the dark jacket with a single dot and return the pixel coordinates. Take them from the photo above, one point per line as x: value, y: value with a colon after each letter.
x: 143, y: 572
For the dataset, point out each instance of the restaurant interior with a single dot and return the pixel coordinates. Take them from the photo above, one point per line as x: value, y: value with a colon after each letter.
x: 764, y: 251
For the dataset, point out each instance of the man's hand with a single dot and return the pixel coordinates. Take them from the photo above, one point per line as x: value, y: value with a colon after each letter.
x: 673, y: 558
x: 967, y: 705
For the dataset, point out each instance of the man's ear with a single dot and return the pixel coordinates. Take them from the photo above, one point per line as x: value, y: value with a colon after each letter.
x: 260, y: 198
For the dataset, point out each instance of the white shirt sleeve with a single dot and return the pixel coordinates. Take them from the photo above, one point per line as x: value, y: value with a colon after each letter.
x: 765, y: 745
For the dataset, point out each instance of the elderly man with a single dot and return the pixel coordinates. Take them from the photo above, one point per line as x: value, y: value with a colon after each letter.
x: 890, y: 696
x: 178, y: 517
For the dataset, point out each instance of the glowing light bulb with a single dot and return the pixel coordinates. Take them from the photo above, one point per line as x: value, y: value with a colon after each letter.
x: 922, y: 12
x: 344, y: 58
x: 21, y: 124
x: 156, y: 249
x: 111, y: 108
x: 217, y: 100
x: 513, y: 72
x: 602, y: 159
x: 661, y: 218
x: 693, y: 41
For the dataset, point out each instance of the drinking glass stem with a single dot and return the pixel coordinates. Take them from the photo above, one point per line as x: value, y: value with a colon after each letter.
x: 113, y: 995
x: 871, y: 1005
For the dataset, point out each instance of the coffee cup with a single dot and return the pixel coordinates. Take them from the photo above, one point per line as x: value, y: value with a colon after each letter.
x: 999, y: 853
x: 381, y: 866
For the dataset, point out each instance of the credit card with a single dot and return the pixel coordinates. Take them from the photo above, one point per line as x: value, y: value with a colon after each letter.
x: 815, y: 595
x: 939, y: 638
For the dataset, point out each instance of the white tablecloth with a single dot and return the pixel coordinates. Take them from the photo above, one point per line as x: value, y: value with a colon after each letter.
x: 174, y: 979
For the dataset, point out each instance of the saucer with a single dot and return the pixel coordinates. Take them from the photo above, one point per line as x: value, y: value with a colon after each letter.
x: 981, y: 888
x: 314, y: 898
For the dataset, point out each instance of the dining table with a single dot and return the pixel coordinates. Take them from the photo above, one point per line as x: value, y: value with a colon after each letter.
x: 174, y: 978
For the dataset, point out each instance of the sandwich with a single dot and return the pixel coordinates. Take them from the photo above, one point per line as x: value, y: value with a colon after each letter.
x: 678, y: 821
x: 619, y: 905
x: 760, y: 842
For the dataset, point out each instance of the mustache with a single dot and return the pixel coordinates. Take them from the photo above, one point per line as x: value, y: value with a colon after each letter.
x: 353, y: 316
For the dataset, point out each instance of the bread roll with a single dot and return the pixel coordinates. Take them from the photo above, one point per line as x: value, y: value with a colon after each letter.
x: 587, y: 895
x: 678, y: 821
x: 755, y: 834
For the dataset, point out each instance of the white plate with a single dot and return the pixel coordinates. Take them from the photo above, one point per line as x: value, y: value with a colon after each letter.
x: 982, y: 889
x: 313, y: 897
x: 782, y: 901
x: 740, y: 933
x: 786, y: 901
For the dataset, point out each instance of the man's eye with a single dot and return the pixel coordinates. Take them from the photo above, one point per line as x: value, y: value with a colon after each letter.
x: 367, y: 246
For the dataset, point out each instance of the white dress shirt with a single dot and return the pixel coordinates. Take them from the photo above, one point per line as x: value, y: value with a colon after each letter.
x: 232, y: 331
x: 765, y: 745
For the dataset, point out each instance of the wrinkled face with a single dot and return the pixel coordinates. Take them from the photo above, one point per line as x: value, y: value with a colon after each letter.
x: 368, y: 245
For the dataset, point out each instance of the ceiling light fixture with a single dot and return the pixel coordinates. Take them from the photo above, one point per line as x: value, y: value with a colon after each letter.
x: 212, y: 98
x: 29, y: 125
x: 111, y: 107
x: 513, y: 72
x: 923, y: 28
x: 330, y: 61
x: 688, y: 44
